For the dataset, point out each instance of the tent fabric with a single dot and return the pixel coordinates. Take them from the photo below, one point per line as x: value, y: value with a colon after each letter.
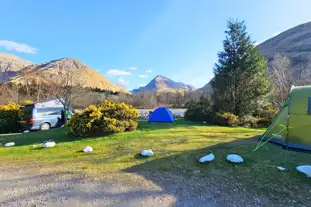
x: 161, y: 115
x: 295, y: 117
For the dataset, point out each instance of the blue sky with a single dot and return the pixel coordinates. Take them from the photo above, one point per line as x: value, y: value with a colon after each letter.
x: 131, y: 41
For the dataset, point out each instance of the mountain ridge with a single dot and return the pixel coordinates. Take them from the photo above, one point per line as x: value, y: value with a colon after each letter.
x: 162, y: 83
x: 86, y: 76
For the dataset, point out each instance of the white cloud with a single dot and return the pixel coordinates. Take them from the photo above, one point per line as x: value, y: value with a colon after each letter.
x: 116, y: 72
x: 18, y: 47
x: 98, y: 70
x: 142, y: 85
x: 133, y: 68
x: 143, y: 76
x: 123, y: 81
x: 148, y: 71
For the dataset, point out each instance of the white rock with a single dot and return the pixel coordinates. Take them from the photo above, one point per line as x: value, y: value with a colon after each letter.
x: 235, y: 158
x: 9, y: 144
x: 62, y: 126
x: 26, y: 131
x: 147, y: 153
x: 49, y: 144
x: 306, y: 169
x: 204, y: 122
x: 207, y: 158
x: 281, y: 168
x: 88, y: 149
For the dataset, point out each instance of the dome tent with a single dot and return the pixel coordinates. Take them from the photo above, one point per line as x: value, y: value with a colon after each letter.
x: 291, y: 126
x: 161, y: 115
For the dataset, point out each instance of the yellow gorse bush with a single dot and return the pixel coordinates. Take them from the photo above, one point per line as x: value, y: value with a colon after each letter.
x: 106, y: 118
x: 9, y: 118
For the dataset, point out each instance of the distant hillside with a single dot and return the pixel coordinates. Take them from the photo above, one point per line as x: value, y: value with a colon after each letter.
x: 51, y: 70
x: 294, y: 43
x: 10, y: 64
x: 161, y: 83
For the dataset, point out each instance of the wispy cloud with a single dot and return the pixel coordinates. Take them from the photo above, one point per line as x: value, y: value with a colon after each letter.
x: 148, y: 71
x: 142, y: 85
x: 123, y: 81
x: 143, y: 76
x: 133, y: 68
x: 116, y: 72
x: 18, y: 47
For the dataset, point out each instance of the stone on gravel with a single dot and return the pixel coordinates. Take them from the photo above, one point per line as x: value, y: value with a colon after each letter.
x: 88, y: 149
x: 147, y: 153
x: 49, y: 144
x: 235, y: 158
x: 9, y: 144
x: 306, y: 169
x: 207, y: 158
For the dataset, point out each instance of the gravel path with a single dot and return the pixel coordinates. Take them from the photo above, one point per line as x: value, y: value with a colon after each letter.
x: 37, y: 188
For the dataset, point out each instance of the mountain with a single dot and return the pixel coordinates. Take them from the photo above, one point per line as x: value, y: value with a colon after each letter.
x: 161, y: 83
x: 294, y: 43
x: 51, y: 70
x: 10, y: 65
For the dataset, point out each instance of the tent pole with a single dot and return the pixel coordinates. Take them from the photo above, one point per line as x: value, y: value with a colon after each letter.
x: 288, y: 112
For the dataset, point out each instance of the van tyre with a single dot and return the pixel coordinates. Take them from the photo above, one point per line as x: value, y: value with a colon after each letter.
x: 45, y: 126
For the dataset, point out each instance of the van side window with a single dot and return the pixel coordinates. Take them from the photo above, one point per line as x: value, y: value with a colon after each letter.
x: 309, y: 105
x: 48, y: 111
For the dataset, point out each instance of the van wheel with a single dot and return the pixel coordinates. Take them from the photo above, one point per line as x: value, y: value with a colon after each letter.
x: 45, y: 126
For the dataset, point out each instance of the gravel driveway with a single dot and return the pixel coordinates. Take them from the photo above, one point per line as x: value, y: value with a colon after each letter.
x: 38, y: 188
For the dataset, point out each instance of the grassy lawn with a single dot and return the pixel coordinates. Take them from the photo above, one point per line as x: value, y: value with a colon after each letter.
x: 177, y: 149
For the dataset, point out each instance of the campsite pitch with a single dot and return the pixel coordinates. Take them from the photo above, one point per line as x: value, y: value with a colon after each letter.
x: 113, y: 174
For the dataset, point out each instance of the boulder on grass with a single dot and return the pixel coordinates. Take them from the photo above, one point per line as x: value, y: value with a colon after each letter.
x: 306, y: 169
x: 49, y: 144
x: 26, y: 131
x: 235, y: 158
x: 207, y: 158
x: 281, y: 168
x: 9, y: 144
x: 147, y: 153
x: 88, y: 149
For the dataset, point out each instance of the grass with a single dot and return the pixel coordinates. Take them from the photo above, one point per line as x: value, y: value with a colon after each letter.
x: 177, y: 149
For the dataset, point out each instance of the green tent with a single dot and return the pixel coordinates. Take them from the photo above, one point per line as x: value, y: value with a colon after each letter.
x: 292, y: 125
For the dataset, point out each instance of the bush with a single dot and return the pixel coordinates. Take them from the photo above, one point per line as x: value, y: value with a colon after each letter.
x: 226, y: 119
x: 103, y: 119
x: 199, y: 111
x: 9, y: 118
x: 25, y: 102
x: 249, y: 121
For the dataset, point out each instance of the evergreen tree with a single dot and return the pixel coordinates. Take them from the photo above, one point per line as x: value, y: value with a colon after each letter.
x: 241, y: 83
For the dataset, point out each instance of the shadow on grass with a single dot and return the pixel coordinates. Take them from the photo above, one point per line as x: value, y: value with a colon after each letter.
x: 255, y: 182
x: 58, y: 135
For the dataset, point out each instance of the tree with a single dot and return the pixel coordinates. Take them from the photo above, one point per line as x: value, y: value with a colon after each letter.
x: 281, y: 73
x: 241, y: 77
x: 66, y: 87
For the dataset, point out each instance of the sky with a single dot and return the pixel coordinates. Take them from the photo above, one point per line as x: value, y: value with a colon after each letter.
x: 132, y: 41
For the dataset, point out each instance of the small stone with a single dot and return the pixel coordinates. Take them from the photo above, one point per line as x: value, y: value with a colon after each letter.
x: 88, y: 149
x: 207, y: 158
x: 235, y: 158
x: 281, y: 168
x: 306, y: 169
x: 147, y: 153
x: 9, y: 144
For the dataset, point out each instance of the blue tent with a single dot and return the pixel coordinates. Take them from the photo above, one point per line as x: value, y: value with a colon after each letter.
x: 161, y: 115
